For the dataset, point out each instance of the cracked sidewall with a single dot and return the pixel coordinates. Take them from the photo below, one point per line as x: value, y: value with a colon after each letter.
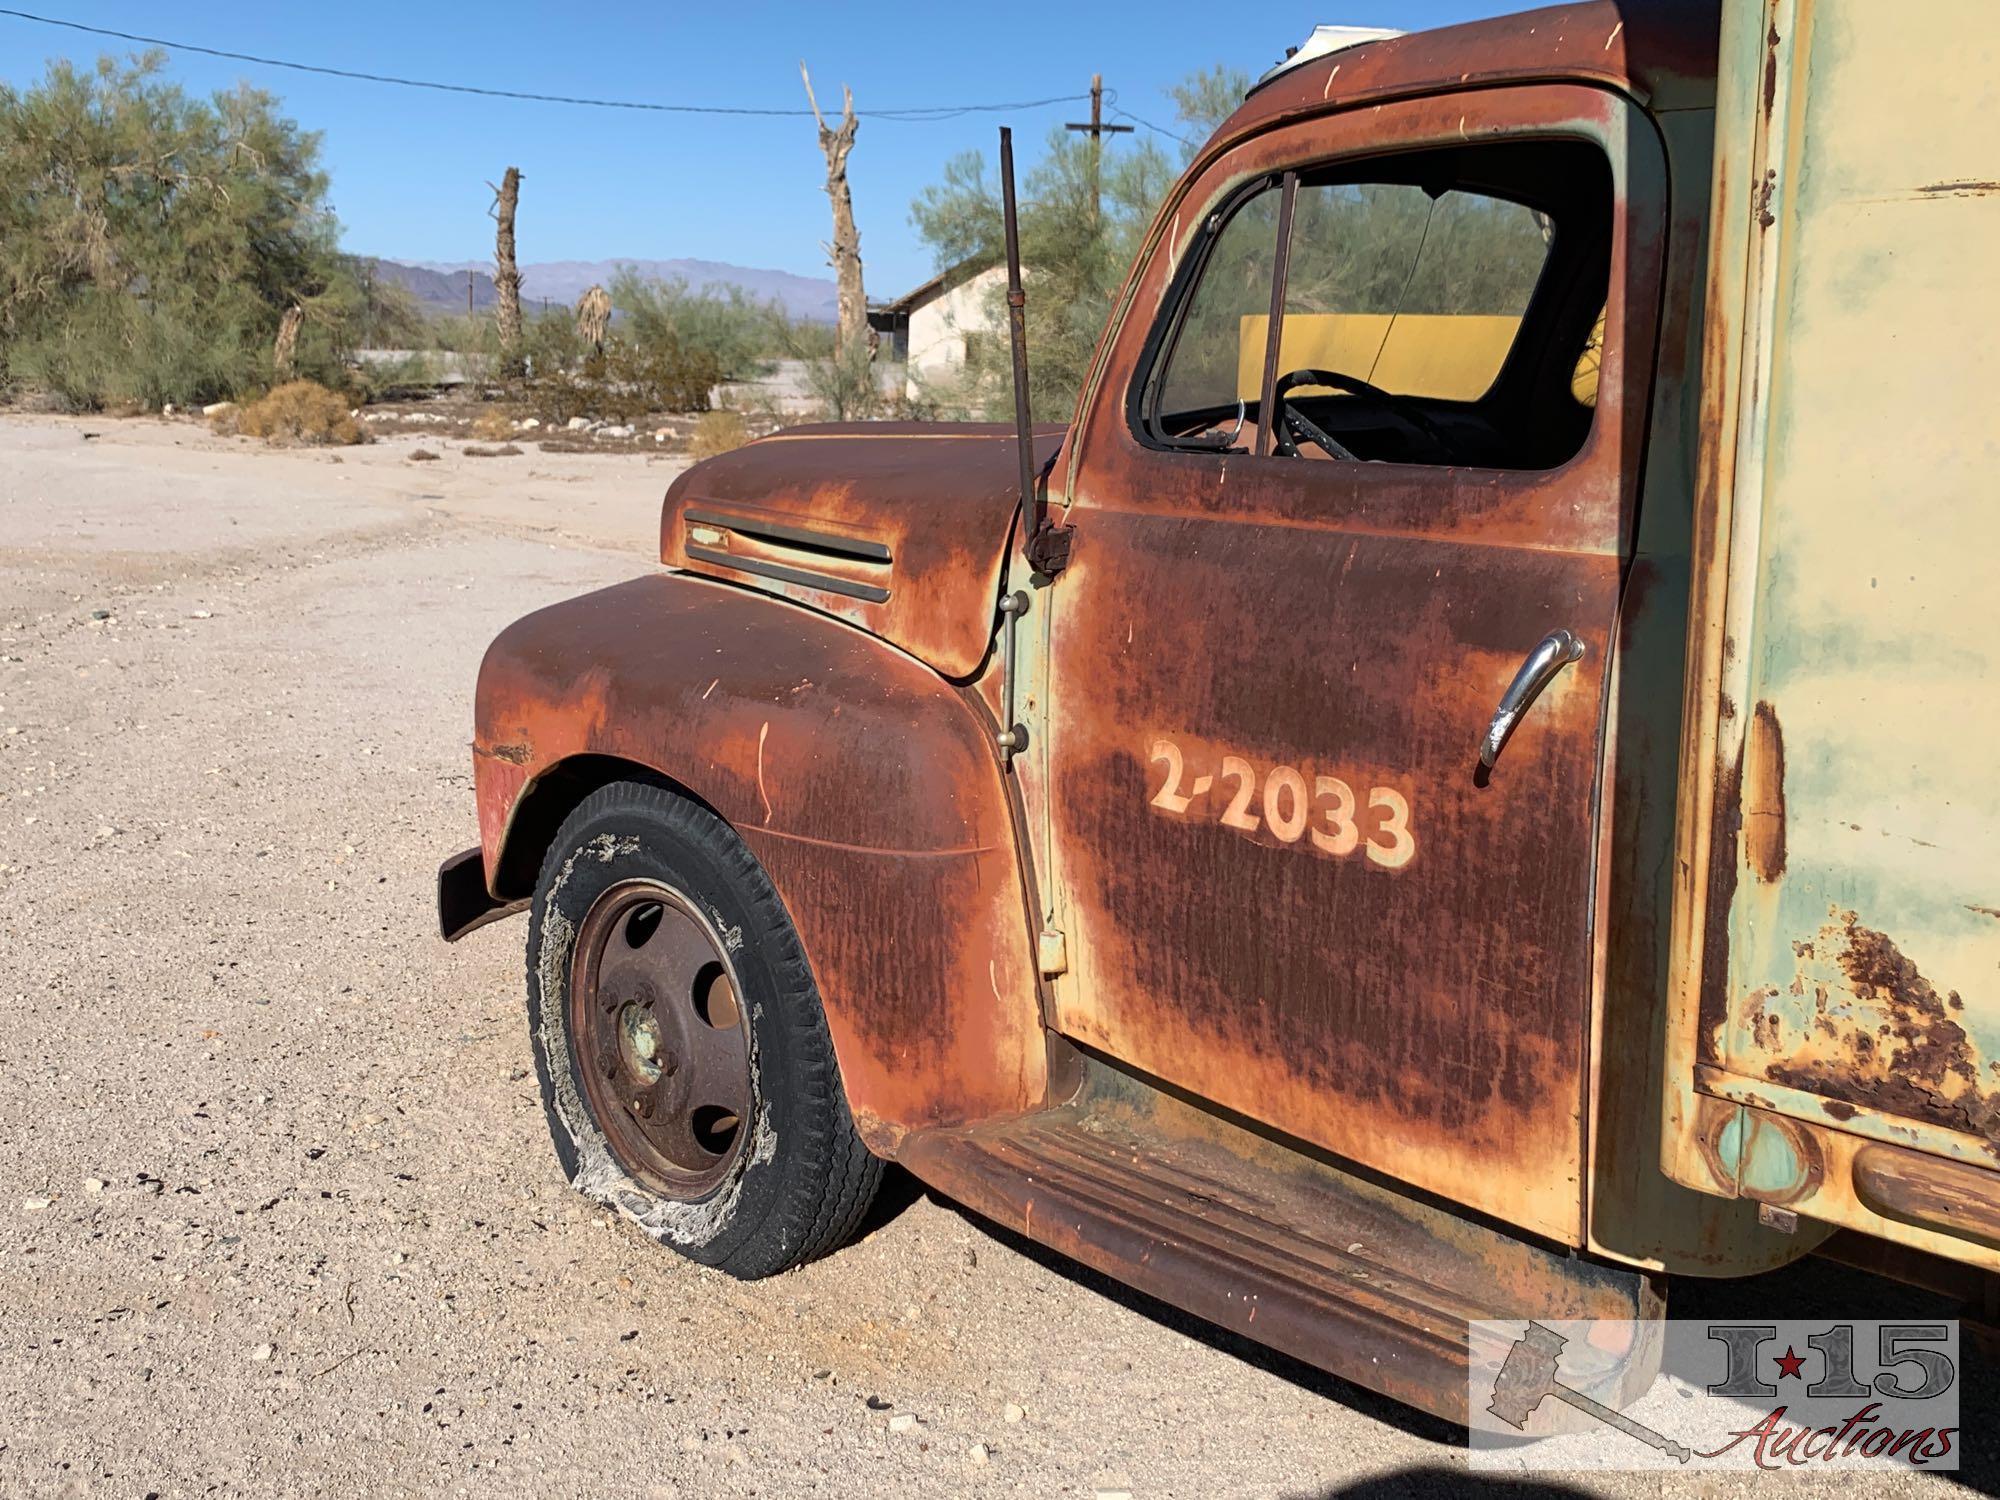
x: 631, y: 832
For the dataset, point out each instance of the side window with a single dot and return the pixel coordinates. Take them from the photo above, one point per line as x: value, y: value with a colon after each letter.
x: 1417, y: 295
x: 1206, y: 370
x: 1441, y: 309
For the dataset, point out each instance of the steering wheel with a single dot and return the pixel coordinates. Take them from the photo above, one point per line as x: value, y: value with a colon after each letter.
x: 1294, y: 424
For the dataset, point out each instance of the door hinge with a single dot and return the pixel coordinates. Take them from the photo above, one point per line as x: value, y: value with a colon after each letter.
x: 1048, y: 549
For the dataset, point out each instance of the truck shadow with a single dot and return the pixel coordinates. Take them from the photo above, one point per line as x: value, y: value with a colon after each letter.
x: 1814, y: 1288
x: 1445, y: 1479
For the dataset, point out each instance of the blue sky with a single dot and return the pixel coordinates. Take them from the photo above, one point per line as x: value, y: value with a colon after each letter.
x: 409, y: 168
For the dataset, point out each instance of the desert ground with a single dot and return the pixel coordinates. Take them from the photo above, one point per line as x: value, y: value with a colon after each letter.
x: 278, y: 1213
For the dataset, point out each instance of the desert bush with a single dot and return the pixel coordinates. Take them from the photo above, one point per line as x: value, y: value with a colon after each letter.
x: 415, y: 374
x: 492, y: 425
x: 150, y: 242
x: 845, y: 385
x: 300, y: 412
x: 625, y: 382
x: 741, y: 334
x: 663, y: 374
x: 718, y: 432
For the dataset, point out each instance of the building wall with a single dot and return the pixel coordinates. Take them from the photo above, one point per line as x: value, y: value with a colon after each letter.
x: 940, y: 328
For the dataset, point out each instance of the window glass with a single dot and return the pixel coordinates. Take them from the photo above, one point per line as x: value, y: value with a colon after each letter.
x: 1438, y: 311
x: 1420, y: 295
x: 1203, y: 369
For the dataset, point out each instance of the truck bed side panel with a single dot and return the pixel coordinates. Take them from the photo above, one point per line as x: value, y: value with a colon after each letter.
x: 1839, y: 931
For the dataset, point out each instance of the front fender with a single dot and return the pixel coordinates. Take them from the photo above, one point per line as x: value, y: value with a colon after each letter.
x: 866, y: 786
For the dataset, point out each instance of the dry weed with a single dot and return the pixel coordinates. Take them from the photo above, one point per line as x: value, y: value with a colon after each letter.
x: 300, y: 412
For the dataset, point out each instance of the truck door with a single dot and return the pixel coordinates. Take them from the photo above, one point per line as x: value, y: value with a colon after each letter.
x: 1836, y: 1018
x: 1361, y: 458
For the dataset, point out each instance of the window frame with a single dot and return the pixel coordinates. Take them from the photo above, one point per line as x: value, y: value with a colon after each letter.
x: 1157, y: 353
x: 1589, y: 504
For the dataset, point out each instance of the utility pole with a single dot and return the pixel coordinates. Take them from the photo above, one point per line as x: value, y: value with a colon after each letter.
x: 468, y: 294
x: 1097, y: 130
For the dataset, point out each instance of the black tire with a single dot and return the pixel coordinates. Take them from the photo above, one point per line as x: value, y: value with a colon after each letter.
x: 803, y: 1179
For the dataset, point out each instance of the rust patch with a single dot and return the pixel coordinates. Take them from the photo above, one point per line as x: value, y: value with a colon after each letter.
x: 1764, y: 795
x: 1986, y: 911
x: 1949, y: 1197
x: 873, y: 801
x: 1726, y: 824
x: 1771, y: 40
x: 1765, y: 189
x: 1894, y: 1044
x: 513, y: 754
x: 1967, y: 189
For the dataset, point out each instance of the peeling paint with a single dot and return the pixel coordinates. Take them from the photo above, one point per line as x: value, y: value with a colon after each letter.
x: 1881, y: 1035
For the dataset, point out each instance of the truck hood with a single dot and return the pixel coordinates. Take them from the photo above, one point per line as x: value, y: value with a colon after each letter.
x: 898, y: 527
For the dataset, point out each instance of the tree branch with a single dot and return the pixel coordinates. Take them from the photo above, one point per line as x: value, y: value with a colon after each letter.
x: 809, y: 95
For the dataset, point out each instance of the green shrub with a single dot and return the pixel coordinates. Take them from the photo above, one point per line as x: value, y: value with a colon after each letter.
x: 726, y: 324
x: 150, y: 242
x: 626, y: 381
x: 845, y: 385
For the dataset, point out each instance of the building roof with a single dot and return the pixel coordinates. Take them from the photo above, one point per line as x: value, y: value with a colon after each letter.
x: 938, y: 285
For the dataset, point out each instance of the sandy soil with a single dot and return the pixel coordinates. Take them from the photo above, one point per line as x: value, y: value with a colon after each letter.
x: 278, y: 1214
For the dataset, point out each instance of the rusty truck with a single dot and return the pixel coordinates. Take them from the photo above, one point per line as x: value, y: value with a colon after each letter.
x: 1455, y: 786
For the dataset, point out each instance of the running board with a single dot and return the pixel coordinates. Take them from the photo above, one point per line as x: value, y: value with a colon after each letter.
x: 1284, y: 1248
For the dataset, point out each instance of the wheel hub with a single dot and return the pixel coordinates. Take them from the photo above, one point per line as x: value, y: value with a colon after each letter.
x: 660, y: 1039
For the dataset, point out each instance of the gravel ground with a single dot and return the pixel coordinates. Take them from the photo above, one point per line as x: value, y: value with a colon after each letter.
x: 278, y: 1213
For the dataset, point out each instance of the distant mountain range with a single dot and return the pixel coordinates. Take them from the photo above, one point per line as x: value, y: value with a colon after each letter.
x: 439, y: 286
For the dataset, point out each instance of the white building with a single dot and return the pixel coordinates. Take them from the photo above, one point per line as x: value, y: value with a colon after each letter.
x: 932, y: 327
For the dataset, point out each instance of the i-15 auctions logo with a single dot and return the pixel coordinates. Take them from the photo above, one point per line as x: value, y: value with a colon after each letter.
x: 1778, y: 1396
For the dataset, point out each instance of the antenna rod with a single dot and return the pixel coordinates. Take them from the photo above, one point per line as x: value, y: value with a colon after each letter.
x: 1034, y: 507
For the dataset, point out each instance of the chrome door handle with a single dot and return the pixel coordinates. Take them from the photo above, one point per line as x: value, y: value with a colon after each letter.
x: 1557, y: 650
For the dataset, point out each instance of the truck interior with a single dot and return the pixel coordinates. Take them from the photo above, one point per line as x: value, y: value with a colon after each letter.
x: 1434, y: 307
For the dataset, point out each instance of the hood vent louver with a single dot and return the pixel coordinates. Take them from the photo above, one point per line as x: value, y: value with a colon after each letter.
x: 853, y: 567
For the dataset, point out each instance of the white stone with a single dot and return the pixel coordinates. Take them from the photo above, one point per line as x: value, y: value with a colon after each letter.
x: 903, y: 1421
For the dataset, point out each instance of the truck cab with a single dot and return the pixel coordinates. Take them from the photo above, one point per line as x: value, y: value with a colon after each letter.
x: 1356, y: 847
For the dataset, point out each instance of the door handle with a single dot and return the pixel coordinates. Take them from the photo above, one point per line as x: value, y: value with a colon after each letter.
x: 1557, y: 650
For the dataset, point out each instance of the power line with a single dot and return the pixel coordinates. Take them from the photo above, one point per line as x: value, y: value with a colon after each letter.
x: 1172, y: 135
x: 914, y: 114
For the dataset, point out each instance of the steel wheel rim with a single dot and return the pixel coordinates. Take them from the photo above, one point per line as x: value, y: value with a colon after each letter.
x: 661, y: 1039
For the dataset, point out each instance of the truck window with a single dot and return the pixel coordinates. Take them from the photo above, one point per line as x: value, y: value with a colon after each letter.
x: 1452, y: 295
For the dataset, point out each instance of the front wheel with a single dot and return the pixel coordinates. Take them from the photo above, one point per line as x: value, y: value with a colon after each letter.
x: 684, y: 1060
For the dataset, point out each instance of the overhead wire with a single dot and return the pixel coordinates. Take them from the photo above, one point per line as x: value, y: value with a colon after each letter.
x: 911, y: 114
x: 1172, y: 135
